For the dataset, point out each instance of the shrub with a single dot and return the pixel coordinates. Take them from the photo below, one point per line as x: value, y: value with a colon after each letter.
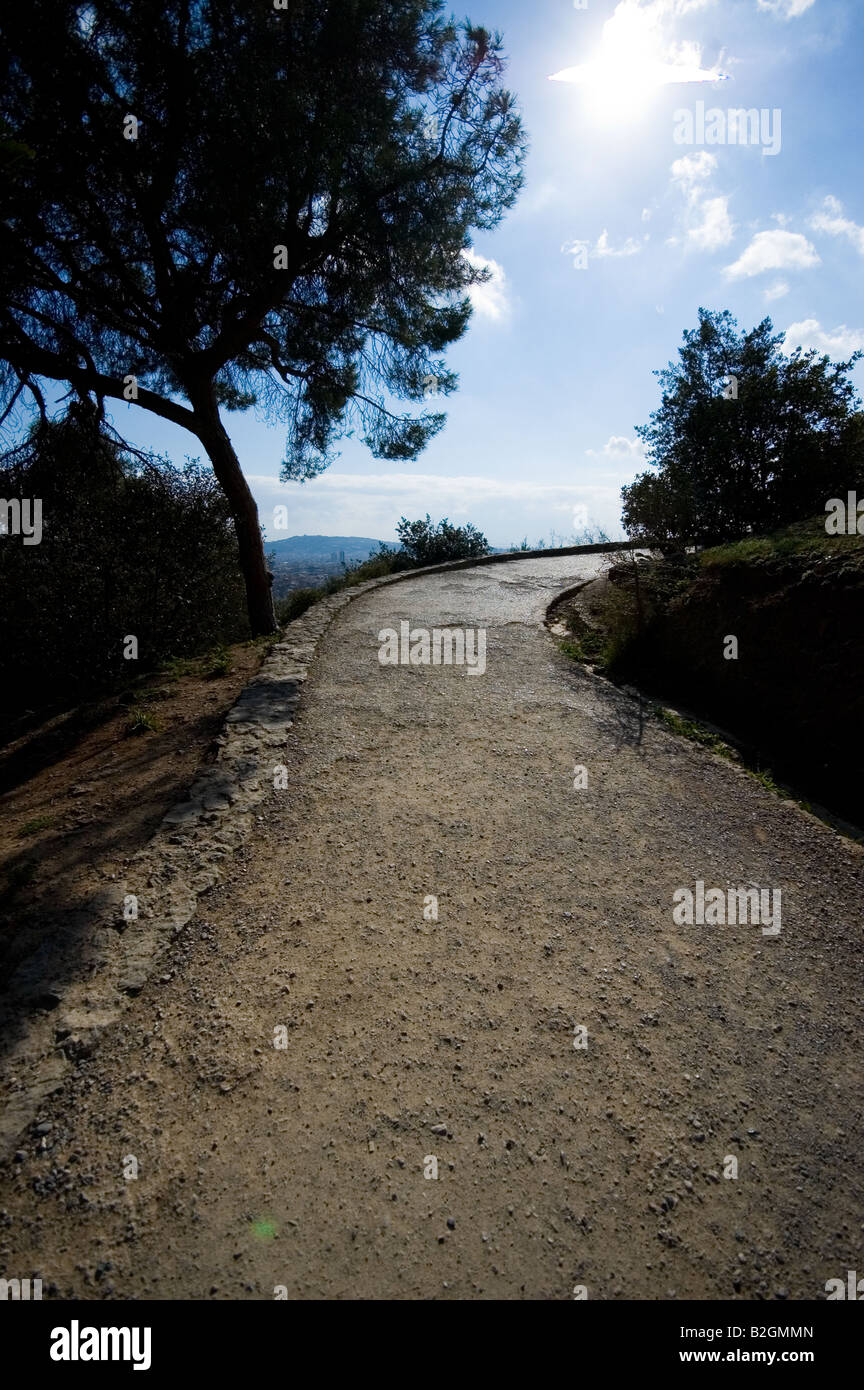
x: 427, y: 544
x: 131, y: 546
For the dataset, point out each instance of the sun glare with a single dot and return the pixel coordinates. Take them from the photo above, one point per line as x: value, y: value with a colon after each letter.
x: 614, y: 87
x: 630, y: 66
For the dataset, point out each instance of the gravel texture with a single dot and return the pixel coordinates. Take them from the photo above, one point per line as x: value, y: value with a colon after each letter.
x: 303, y: 1167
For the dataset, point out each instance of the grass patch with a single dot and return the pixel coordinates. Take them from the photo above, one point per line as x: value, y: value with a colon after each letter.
x: 218, y: 662
x: 32, y: 827
x: 696, y: 733
x: 738, y: 553
x: 804, y: 538
x: 176, y: 667
x: 141, y: 722
x: 589, y: 648
x: 595, y: 646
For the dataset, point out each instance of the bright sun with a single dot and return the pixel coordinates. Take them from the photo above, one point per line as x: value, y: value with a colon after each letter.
x: 630, y: 66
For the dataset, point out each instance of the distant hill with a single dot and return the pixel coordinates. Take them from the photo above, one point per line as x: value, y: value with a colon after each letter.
x: 324, y: 548
x: 302, y: 562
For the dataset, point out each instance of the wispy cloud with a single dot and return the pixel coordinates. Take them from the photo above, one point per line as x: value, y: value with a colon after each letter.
x: 692, y: 171
x: 776, y: 291
x: 786, y: 9
x: 774, y: 250
x: 831, y: 221
x: 709, y: 225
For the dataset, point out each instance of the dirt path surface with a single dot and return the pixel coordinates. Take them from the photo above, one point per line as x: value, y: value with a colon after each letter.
x: 304, y: 1167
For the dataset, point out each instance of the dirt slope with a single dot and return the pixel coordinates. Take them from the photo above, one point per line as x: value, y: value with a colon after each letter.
x: 303, y: 1167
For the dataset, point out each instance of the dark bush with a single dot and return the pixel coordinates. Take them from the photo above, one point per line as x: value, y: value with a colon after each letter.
x: 131, y: 546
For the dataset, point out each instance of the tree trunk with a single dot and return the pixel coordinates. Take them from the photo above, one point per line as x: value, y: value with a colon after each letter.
x: 226, y: 466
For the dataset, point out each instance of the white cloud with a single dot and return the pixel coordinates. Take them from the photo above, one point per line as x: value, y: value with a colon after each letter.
x: 691, y: 171
x: 776, y: 291
x: 619, y: 447
x: 709, y: 225
x: 779, y: 250
x: 492, y: 300
x: 716, y: 228
x: 832, y: 221
x: 786, y: 9
x: 839, y: 344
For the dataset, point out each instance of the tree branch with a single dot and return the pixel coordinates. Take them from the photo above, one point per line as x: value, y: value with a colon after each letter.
x: 44, y: 363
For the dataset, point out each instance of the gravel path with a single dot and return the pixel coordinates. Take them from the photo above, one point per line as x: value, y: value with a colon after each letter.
x: 309, y: 1167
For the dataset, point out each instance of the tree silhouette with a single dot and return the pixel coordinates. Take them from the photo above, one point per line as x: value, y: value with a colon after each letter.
x: 210, y: 206
x: 745, y: 439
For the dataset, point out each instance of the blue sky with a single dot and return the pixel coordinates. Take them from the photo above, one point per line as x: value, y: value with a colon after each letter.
x: 620, y: 235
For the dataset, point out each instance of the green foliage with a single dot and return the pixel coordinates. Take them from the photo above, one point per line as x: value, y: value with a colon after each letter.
x: 130, y: 546
x: 427, y: 544
x: 385, y: 560
x: 725, y: 468
x: 141, y: 722
x: 804, y: 538
x: 698, y: 733
x: 294, y: 605
x: 695, y: 732
x: 176, y: 667
x: 587, y: 644
x: 33, y: 827
x: 217, y: 663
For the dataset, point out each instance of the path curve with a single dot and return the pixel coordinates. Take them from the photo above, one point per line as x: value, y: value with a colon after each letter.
x: 308, y: 1167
